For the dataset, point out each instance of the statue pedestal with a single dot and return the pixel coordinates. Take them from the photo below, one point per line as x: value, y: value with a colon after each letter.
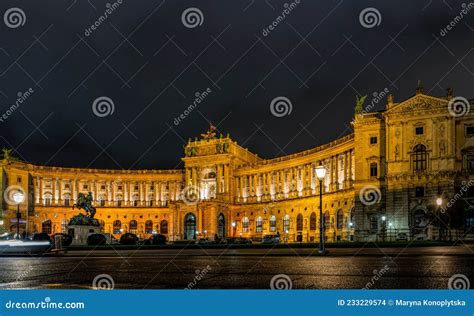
x: 80, y: 233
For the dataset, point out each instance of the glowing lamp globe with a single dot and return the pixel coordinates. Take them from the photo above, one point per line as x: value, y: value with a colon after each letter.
x: 18, y: 197
x: 320, y: 172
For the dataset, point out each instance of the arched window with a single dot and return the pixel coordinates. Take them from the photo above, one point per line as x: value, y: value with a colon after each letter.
x: 189, y: 226
x: 117, y: 227
x: 286, y: 223
x: 258, y: 225
x: 102, y: 200
x: 221, y: 226
x: 373, y: 169
x: 66, y: 199
x: 273, y: 223
x: 419, y: 158
x: 340, y: 219
x: 119, y: 200
x: 299, y: 222
x: 133, y: 227
x: 327, y: 220
x: 47, y: 199
x: 46, y: 227
x: 245, y: 225
x: 312, y: 221
x: 135, y: 200
x: 164, y: 227
x: 148, y: 227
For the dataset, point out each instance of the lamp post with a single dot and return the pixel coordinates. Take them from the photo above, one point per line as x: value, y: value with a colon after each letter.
x: 439, y: 202
x: 321, y: 174
x: 233, y: 229
x: 18, y: 198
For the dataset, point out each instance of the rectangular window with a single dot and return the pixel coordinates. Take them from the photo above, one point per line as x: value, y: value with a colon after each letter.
x: 374, y: 223
x: 373, y: 140
x: 102, y: 187
x: 470, y: 163
x: 469, y: 131
x: 85, y: 187
x: 102, y: 202
x: 119, y: 187
x: 66, y: 202
x: 66, y: 186
x: 18, y: 179
x: 47, y: 201
x: 136, y: 188
x: 419, y: 192
x: 373, y: 170
x: 419, y: 130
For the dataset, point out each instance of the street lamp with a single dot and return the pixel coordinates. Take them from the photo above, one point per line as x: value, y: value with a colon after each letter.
x: 233, y: 229
x: 439, y: 202
x: 321, y: 174
x: 18, y: 198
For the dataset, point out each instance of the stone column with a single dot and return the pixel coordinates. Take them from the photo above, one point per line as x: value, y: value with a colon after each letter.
x: 74, y: 189
x: 53, y: 187
x: 112, y: 193
x: 60, y: 191
x: 40, y: 190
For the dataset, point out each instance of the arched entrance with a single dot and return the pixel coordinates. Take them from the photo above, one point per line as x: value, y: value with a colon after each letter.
x: 221, y: 226
x: 190, y: 226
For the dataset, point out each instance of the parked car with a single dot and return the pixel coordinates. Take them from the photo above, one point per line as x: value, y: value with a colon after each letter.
x: 128, y: 239
x: 239, y: 240
x: 271, y: 239
x: 66, y: 239
x: 96, y: 240
x: 156, y: 239
x: 402, y: 237
x: 203, y: 241
x: 41, y: 236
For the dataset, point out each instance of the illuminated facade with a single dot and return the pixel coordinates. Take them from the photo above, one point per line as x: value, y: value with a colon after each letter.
x: 382, y: 180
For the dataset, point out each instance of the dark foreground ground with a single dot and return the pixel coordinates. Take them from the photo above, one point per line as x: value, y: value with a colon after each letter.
x: 399, y: 268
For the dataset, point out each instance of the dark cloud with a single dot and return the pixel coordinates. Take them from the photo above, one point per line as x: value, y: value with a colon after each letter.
x: 151, y: 66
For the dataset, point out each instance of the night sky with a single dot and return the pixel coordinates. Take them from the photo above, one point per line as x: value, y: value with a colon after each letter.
x: 151, y: 65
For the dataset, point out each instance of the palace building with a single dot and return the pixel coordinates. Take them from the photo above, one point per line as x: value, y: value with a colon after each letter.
x: 405, y: 170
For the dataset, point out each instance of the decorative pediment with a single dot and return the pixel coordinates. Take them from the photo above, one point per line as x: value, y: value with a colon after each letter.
x: 418, y: 103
